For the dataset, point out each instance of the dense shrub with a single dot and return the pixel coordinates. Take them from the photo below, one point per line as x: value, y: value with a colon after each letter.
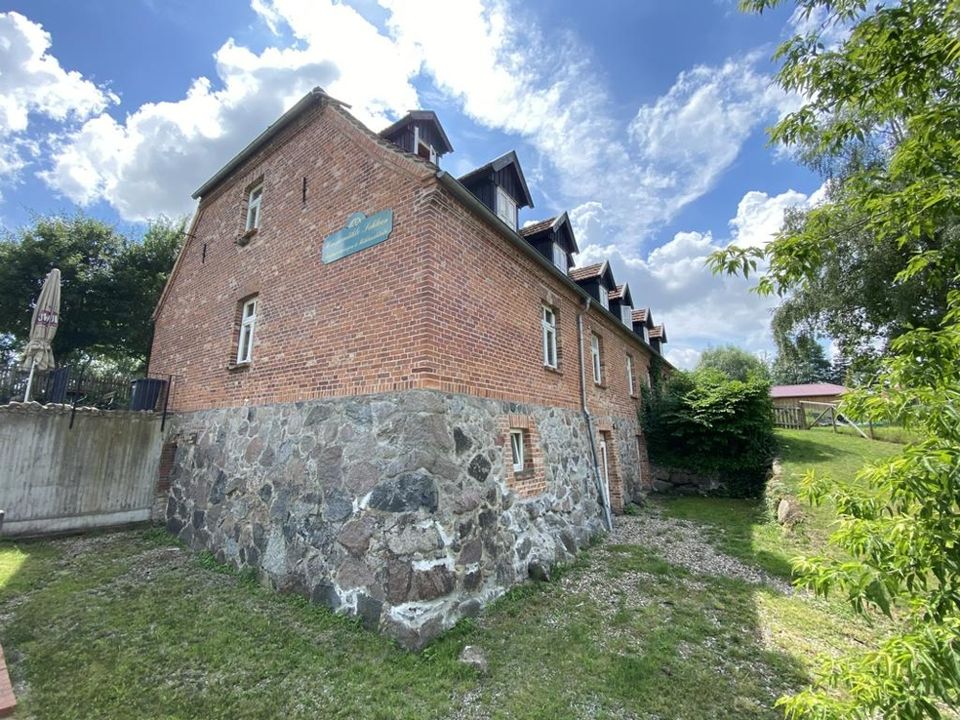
x: 704, y: 421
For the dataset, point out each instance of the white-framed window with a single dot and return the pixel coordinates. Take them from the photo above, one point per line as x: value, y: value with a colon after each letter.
x: 506, y: 208
x: 595, y: 354
x: 548, y: 323
x: 649, y: 378
x: 253, y: 208
x: 626, y: 315
x: 560, y: 258
x: 630, y: 384
x: 516, y: 449
x: 604, y: 298
x: 248, y: 320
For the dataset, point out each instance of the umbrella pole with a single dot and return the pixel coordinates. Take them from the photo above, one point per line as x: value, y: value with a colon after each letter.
x: 33, y: 365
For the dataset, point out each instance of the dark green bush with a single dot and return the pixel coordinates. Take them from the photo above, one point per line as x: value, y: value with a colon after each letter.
x: 705, y: 422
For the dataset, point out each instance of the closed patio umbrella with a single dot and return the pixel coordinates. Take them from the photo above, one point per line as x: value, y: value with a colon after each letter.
x: 46, y: 316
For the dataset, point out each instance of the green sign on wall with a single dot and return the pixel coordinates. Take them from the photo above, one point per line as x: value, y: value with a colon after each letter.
x: 360, y: 233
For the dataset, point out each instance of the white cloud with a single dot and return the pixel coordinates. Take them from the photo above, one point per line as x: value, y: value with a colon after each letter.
x: 816, y: 21
x: 688, y: 137
x: 152, y: 160
x: 33, y: 84
x: 699, y: 308
x: 685, y: 358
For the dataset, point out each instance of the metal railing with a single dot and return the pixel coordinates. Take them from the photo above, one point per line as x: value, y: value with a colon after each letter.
x: 84, y: 388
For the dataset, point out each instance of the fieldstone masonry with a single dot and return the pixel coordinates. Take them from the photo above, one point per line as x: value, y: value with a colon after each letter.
x: 397, y: 507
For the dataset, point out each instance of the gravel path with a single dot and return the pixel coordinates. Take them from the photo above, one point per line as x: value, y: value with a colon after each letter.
x: 683, y: 543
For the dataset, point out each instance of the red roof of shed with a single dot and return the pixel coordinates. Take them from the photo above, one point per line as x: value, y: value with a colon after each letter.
x: 809, y: 390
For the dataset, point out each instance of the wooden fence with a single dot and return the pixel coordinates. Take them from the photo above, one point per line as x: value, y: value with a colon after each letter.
x: 789, y: 417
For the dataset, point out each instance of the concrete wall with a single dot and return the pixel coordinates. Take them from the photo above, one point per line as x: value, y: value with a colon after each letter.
x: 54, y: 478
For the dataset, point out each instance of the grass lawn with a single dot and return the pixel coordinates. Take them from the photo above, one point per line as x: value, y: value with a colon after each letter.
x: 741, y: 528
x: 681, y: 613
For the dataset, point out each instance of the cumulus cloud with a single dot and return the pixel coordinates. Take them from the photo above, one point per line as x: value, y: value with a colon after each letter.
x: 33, y: 84
x: 149, y: 162
x: 699, y: 308
x: 542, y: 87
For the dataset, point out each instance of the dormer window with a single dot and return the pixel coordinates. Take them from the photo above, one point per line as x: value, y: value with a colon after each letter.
x: 427, y: 152
x: 626, y: 315
x: 560, y: 258
x: 604, y: 299
x: 506, y: 208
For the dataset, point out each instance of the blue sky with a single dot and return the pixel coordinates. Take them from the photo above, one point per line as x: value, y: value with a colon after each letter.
x: 645, y: 120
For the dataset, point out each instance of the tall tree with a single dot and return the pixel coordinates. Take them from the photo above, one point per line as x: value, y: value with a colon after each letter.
x: 890, y: 87
x: 734, y: 362
x: 800, y: 361
x: 109, y: 285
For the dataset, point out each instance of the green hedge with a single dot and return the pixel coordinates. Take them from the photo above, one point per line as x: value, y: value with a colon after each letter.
x: 704, y: 421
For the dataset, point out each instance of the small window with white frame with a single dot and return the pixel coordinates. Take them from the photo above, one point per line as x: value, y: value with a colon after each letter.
x: 630, y: 383
x: 560, y: 258
x: 248, y: 321
x: 595, y: 355
x: 548, y: 323
x: 604, y: 297
x: 516, y: 450
x: 253, y: 208
x: 506, y: 208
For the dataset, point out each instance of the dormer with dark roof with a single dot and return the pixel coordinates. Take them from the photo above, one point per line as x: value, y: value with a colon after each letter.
x: 553, y: 238
x: 658, y: 338
x: 642, y: 322
x: 419, y: 132
x: 621, y: 304
x: 596, y: 279
x: 500, y: 186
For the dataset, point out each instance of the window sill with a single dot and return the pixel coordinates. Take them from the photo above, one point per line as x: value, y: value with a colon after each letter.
x: 555, y: 370
x: 247, y: 237
x: 237, y: 367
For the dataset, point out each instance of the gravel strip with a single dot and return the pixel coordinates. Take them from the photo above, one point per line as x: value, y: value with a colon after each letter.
x: 683, y: 543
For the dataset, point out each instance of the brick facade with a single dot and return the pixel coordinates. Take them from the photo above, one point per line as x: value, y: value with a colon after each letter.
x: 446, y: 303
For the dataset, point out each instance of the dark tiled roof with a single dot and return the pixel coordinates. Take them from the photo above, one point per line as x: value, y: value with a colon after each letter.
x: 423, y: 116
x: 587, y: 272
x: 500, y: 163
x: 537, y: 227
x: 639, y: 316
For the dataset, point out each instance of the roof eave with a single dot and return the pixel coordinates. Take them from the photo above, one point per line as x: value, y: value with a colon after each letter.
x: 305, y: 103
x: 472, y: 202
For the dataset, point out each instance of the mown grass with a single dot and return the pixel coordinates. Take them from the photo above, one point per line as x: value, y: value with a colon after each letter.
x: 131, y: 625
x: 744, y: 528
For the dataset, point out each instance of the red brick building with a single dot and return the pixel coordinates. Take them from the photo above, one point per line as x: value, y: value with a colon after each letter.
x: 388, y: 396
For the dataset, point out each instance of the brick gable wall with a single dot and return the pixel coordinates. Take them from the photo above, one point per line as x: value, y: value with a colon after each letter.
x: 446, y: 303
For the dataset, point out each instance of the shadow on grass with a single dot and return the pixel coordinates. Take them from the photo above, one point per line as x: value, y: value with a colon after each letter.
x: 738, y: 527
x: 133, y: 625
x: 811, y: 451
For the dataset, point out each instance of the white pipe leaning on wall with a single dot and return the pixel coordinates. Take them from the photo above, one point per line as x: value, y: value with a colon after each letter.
x: 602, y: 487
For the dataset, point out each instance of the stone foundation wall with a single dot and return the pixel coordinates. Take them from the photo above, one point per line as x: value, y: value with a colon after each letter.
x: 397, y: 508
x: 675, y: 481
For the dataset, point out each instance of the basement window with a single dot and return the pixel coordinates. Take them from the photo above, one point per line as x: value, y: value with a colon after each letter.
x: 248, y: 320
x: 506, y: 208
x: 516, y: 449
